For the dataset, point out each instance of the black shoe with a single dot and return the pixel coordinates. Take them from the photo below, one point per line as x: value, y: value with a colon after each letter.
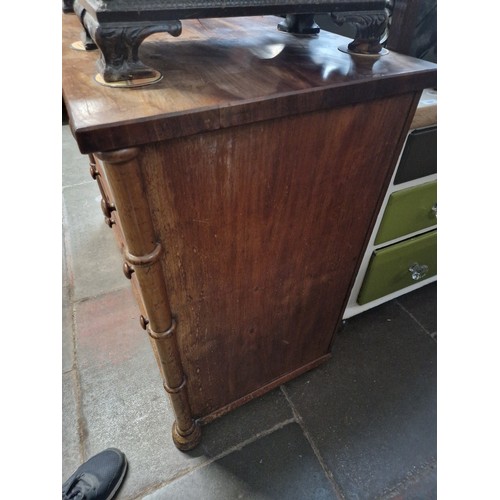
x: 98, y: 478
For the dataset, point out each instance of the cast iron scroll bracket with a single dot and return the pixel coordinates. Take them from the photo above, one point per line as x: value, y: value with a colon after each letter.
x: 371, y: 29
x: 118, y: 28
x: 85, y: 42
x: 67, y: 6
x: 119, y: 44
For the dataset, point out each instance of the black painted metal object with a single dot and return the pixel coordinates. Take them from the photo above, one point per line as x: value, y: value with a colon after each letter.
x: 118, y: 27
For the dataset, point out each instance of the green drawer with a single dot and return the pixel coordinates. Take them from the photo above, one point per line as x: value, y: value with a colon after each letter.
x: 407, y: 211
x: 389, y: 268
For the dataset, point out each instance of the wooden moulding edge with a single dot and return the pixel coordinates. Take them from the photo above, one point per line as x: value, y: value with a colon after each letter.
x: 262, y: 390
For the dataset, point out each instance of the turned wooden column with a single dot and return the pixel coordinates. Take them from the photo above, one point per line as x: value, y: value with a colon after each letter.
x: 142, y: 255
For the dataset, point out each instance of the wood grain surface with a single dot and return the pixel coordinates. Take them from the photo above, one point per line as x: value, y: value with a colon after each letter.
x: 263, y: 227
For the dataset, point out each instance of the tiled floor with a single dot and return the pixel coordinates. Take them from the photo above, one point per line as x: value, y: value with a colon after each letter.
x: 361, y: 426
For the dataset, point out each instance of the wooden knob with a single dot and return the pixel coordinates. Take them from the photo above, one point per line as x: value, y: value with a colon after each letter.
x: 93, y: 172
x: 109, y: 221
x: 143, y: 321
x: 127, y: 270
x: 107, y: 207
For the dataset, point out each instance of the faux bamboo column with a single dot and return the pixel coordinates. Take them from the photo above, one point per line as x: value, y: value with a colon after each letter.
x: 106, y: 206
x: 142, y: 254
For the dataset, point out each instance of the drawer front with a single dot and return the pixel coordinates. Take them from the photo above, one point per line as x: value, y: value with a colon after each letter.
x: 419, y: 157
x: 407, y: 211
x: 389, y: 268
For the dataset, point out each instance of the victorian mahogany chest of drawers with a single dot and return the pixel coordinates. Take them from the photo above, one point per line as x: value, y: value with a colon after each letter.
x: 243, y: 188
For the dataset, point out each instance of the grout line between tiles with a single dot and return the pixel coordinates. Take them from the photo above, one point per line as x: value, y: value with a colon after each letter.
x: 67, y: 254
x: 230, y: 450
x: 410, y: 479
x: 81, y: 423
x: 416, y: 320
x: 337, y: 489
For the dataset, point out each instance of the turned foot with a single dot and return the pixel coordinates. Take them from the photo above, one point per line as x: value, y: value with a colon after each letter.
x: 186, y: 440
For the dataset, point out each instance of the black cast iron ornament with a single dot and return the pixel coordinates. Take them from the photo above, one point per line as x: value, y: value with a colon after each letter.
x: 118, y: 27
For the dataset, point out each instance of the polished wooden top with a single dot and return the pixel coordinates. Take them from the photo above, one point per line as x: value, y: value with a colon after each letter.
x: 221, y: 73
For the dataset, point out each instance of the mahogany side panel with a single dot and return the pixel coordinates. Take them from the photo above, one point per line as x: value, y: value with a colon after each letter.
x: 263, y: 226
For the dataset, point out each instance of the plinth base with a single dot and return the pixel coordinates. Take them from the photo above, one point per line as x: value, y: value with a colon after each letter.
x: 78, y: 45
x: 134, y: 82
x: 345, y: 48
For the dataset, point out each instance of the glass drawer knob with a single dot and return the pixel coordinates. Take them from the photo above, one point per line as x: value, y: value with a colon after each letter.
x: 418, y: 271
x: 434, y: 210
